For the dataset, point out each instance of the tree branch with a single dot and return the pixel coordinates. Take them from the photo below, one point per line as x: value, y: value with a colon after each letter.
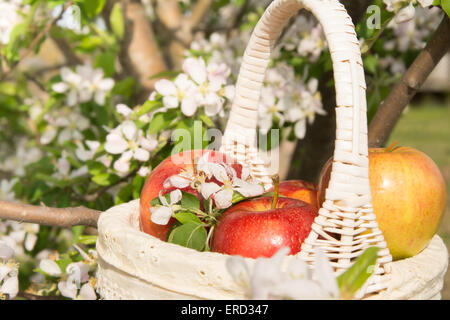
x: 36, y: 40
x: 58, y: 217
x: 140, y: 54
x: 67, y: 51
x: 198, y: 12
x: 392, y: 107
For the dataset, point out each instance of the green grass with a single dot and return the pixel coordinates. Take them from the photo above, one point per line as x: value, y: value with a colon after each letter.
x: 427, y: 128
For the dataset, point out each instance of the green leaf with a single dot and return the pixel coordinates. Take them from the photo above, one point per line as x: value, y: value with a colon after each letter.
x: 190, y: 235
x: 353, y: 279
x: 95, y: 168
x: 8, y: 88
x: 93, y: 7
x: 445, y: 4
x: 116, y: 20
x: 87, y: 239
x: 371, y: 64
x: 165, y: 74
x: 90, y: 43
x: 148, y: 106
x: 161, y: 121
x: 106, y: 61
x: 190, y: 201
x: 187, y: 217
x: 63, y: 263
x: 137, y: 184
x: 124, y: 194
x: 77, y: 231
x: 207, y: 120
x: 105, y: 179
x: 237, y: 197
x: 155, y: 202
x: 124, y: 87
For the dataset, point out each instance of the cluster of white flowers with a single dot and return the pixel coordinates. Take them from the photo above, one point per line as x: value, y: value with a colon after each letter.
x: 287, y: 99
x: 284, y: 97
x: 15, y: 161
x: 200, y: 85
x: 83, y: 84
x: 75, y: 281
x: 9, y: 17
x: 131, y: 143
x: 19, y: 236
x: 411, y: 28
x: 213, y: 180
x: 305, y: 36
x: 9, y: 270
x: 268, y: 280
x: 6, y: 189
x: 69, y: 120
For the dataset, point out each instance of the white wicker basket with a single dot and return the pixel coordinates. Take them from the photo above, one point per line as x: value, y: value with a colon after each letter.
x: 136, y: 265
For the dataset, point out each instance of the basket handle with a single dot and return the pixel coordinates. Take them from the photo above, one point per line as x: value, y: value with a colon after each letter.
x: 349, y: 181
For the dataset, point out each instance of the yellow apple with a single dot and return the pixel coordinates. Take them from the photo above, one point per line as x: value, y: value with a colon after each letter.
x: 408, y: 197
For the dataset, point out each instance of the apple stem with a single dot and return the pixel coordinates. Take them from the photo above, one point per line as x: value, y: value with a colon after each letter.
x: 392, y: 146
x: 276, y: 185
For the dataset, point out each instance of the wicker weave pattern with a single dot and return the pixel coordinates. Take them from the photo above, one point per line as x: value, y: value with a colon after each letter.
x: 346, y: 223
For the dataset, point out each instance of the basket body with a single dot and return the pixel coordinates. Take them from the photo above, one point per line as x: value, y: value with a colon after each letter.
x: 134, y: 265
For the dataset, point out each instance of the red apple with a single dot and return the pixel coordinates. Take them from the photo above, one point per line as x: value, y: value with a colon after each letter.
x: 299, y: 189
x: 170, y: 166
x: 408, y: 197
x: 253, y: 229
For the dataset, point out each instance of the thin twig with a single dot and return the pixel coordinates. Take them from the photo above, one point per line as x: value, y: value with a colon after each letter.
x: 58, y: 217
x: 36, y: 40
x: 392, y: 107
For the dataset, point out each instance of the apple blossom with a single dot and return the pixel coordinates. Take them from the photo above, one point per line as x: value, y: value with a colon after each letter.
x: 181, y: 91
x: 83, y: 85
x: 50, y: 267
x: 87, y: 154
x: 268, y: 280
x: 162, y: 214
x: 9, y: 18
x: 6, y: 189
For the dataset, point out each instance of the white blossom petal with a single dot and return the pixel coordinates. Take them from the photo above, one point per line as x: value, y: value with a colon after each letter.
x: 238, y: 269
x: 177, y: 181
x: 115, y: 143
x: 323, y: 273
x: 10, y: 287
x: 223, y: 198
x: 60, y: 87
x: 6, y: 252
x: 123, y: 109
x: 160, y: 215
x: 196, y: 69
x: 30, y: 241
x: 50, y: 267
x: 188, y: 106
x: 175, y: 196
x: 208, y: 189
x: 129, y: 130
x: 166, y: 87
x: 68, y: 289
x: 87, y: 292
x: 141, y: 154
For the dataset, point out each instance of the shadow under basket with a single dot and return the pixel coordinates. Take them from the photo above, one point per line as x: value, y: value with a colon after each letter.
x: 135, y: 265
